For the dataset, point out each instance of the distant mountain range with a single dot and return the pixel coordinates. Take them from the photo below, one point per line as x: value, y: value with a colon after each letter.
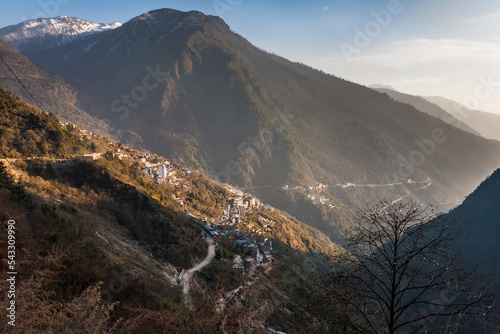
x: 427, y: 107
x: 51, y: 32
x: 52, y: 42
x: 473, y: 121
x: 487, y: 124
x: 184, y: 85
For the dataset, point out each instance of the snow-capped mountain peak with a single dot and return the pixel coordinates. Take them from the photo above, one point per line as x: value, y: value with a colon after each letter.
x: 52, y: 32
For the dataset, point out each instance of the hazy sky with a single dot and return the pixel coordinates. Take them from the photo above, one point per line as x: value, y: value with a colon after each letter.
x: 425, y: 47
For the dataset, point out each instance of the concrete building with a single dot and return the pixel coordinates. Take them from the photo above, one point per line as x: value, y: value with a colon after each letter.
x: 162, y: 172
x: 92, y: 156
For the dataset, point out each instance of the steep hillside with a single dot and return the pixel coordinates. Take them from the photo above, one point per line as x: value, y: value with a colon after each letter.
x: 26, y: 132
x: 97, y: 242
x: 477, y: 222
x: 427, y: 107
x: 478, y: 219
x: 52, y: 93
x: 487, y: 124
x: 194, y: 90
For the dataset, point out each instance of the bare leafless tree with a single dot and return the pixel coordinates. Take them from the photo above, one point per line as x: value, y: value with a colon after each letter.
x: 400, y: 274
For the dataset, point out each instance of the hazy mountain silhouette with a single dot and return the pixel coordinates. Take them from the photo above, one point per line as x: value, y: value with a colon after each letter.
x: 427, y: 107
x: 487, y: 124
x: 478, y: 220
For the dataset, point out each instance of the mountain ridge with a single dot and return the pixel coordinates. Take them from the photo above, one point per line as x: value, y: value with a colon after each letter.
x: 62, y: 29
x: 70, y: 36
x: 487, y: 124
x: 478, y: 224
x: 425, y: 106
x: 53, y: 93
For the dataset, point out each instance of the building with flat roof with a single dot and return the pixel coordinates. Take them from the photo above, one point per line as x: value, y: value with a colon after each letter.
x: 92, y: 156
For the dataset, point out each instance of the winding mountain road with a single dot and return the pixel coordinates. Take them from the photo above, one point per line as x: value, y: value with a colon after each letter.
x: 185, y: 275
x: 425, y: 184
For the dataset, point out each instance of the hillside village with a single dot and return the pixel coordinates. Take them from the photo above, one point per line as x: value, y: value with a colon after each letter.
x: 161, y: 171
x: 149, y: 216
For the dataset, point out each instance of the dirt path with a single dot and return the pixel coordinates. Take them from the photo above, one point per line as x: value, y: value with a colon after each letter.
x: 185, y: 275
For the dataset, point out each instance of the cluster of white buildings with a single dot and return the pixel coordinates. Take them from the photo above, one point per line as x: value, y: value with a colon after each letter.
x: 114, y: 154
x: 238, y: 206
x: 317, y: 199
x: 160, y: 172
x: 318, y: 186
